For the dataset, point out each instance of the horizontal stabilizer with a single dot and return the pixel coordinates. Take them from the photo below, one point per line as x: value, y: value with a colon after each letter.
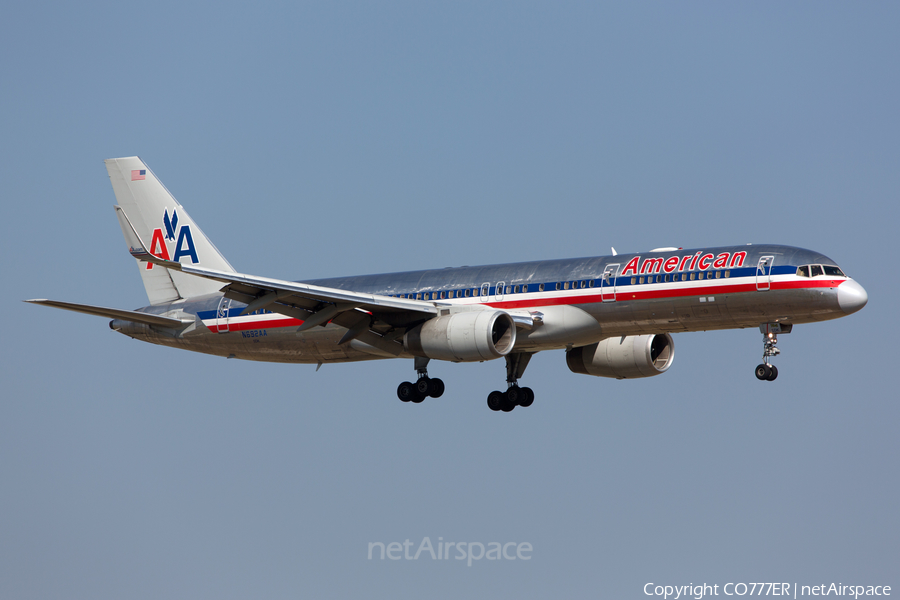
x: 114, y: 313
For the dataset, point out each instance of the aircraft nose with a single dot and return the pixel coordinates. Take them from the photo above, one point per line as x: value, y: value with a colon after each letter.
x: 851, y: 296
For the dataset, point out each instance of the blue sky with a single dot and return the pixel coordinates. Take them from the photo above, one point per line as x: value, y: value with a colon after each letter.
x: 311, y: 140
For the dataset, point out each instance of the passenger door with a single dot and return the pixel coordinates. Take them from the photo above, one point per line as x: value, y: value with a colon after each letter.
x: 764, y: 273
x: 222, y: 315
x: 608, y: 283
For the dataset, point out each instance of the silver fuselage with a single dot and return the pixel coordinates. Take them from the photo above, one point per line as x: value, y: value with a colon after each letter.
x: 574, y: 302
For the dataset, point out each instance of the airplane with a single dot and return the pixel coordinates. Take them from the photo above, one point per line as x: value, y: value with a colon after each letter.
x: 614, y: 316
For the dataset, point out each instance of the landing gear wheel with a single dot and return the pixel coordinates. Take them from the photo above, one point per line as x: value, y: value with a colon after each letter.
x: 507, y: 400
x: 435, y: 388
x: 513, y: 395
x: 762, y: 372
x: 494, y: 400
x: 773, y: 373
x: 417, y: 397
x: 406, y: 391
x: 423, y: 385
x: 526, y: 397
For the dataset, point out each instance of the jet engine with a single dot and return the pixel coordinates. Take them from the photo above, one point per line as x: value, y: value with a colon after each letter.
x: 463, y: 337
x: 625, y: 357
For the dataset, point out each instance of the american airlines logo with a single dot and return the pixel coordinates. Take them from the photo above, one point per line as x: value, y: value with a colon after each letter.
x: 684, y: 263
x: 184, y: 241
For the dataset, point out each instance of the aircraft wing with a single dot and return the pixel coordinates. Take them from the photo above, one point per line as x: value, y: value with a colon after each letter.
x: 314, y: 305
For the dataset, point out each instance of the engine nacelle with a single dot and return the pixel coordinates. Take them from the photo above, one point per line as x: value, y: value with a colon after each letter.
x: 624, y: 357
x: 463, y: 337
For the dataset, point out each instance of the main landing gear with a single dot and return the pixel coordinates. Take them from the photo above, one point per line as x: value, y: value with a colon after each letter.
x: 765, y: 371
x: 506, y: 401
x: 514, y: 395
x: 424, y: 386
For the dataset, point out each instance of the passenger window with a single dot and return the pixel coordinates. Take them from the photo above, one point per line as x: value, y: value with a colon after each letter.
x: 816, y: 270
x: 834, y: 271
x: 467, y: 293
x: 541, y: 287
x: 633, y: 280
x: 443, y: 295
x: 641, y: 280
x: 727, y: 274
x: 692, y: 276
x: 566, y: 285
x: 667, y: 279
x: 700, y: 275
x: 525, y: 289
x: 591, y: 283
x: 584, y: 285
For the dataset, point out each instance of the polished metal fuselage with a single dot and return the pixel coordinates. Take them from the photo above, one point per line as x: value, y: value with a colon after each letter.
x: 596, y: 298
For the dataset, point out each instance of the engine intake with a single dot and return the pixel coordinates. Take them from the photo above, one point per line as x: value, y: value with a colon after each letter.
x: 625, y: 357
x: 463, y: 337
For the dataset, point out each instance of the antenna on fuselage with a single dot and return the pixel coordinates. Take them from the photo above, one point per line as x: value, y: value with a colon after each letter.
x: 614, y: 251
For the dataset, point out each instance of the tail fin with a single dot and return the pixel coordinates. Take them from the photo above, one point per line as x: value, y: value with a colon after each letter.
x: 172, y: 234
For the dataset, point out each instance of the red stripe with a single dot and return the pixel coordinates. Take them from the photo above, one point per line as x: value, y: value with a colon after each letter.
x: 268, y: 324
x: 588, y: 299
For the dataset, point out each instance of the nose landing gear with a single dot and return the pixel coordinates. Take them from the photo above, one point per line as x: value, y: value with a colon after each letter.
x: 765, y: 371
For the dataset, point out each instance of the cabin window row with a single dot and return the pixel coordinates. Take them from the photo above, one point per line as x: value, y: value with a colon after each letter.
x: 681, y: 277
x: 524, y: 288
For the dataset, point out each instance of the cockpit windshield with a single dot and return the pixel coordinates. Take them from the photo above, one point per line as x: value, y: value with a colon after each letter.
x: 819, y: 270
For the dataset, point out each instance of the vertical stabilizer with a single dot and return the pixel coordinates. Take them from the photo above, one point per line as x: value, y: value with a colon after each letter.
x: 168, y: 229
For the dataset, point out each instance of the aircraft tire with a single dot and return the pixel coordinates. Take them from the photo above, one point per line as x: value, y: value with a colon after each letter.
x: 435, y: 388
x: 423, y: 385
x: 406, y: 391
x: 762, y: 372
x: 494, y: 400
x: 527, y: 397
x: 773, y: 374
x: 513, y: 395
